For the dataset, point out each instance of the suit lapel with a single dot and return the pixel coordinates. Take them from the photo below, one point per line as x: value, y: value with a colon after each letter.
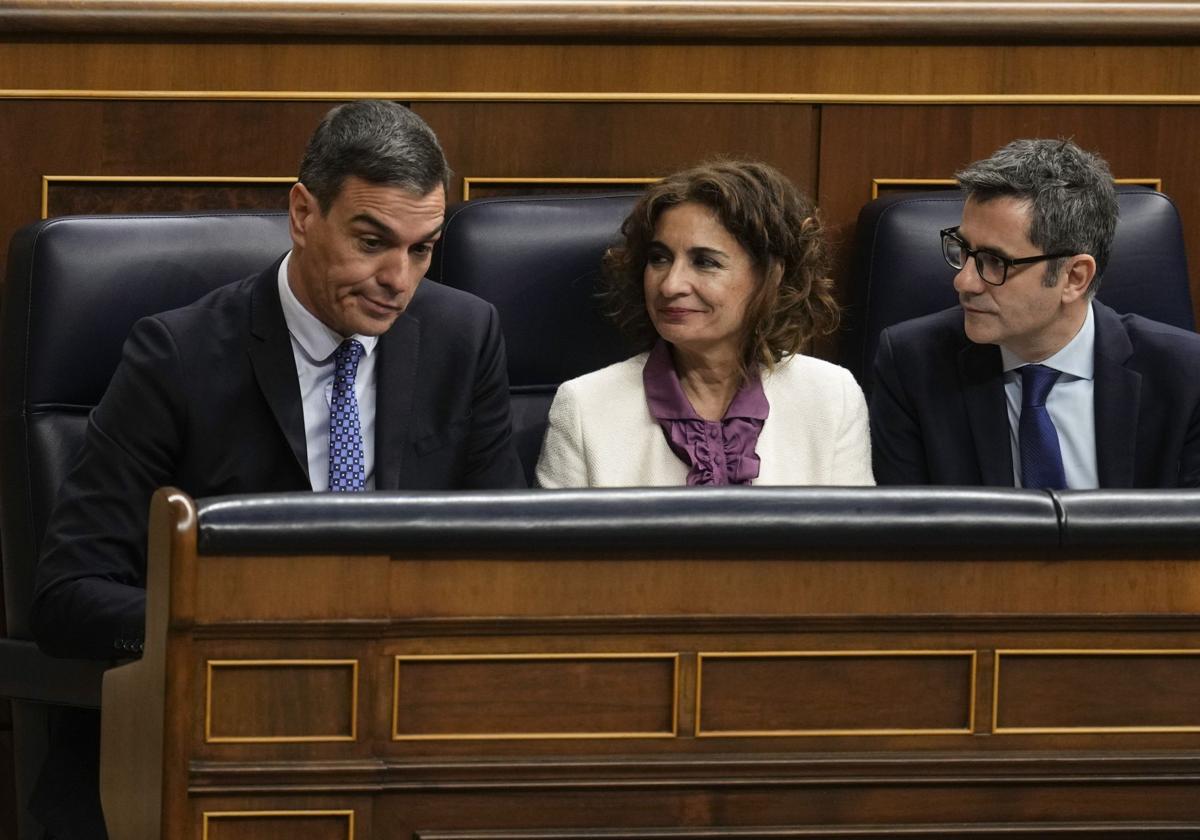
x: 396, y: 377
x: 270, y: 349
x: 1116, y: 394
x: 982, y: 382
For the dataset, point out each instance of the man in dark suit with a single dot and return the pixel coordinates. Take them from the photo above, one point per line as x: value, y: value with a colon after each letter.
x: 335, y: 369
x: 1030, y: 381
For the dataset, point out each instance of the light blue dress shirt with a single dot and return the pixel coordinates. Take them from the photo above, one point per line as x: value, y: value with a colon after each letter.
x: 1070, y: 404
x: 313, y: 346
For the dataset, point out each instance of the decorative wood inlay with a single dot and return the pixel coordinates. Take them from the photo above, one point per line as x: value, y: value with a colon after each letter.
x: 480, y: 187
x: 89, y: 194
x: 1096, y: 691
x: 278, y: 825
x: 535, y: 696
x: 779, y: 693
x: 257, y: 701
x: 881, y: 186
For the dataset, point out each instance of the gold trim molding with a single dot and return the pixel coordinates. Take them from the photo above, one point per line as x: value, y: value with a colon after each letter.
x: 673, y: 658
x: 1079, y: 730
x: 699, y: 731
x: 208, y: 816
x: 876, y: 183
x: 732, y: 97
x: 479, y: 181
x: 213, y: 664
x: 48, y: 180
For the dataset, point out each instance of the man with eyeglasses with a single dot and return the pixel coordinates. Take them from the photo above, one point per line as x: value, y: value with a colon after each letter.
x: 1029, y: 381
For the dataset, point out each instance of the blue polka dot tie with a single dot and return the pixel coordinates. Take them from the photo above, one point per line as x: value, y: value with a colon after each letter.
x: 345, y: 434
x: 1041, y: 457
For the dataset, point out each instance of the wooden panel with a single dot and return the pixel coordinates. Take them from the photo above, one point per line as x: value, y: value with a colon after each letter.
x: 835, y: 693
x: 483, y: 187
x: 115, y: 194
x: 283, y: 700
x: 626, y: 140
x: 1039, y: 831
x: 129, y: 138
x: 861, y: 143
x: 1102, y: 691
x: 278, y: 825
x: 535, y: 696
x: 711, y: 20
x: 838, y: 72
x: 291, y: 589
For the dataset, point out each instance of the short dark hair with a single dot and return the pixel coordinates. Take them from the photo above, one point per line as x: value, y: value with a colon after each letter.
x: 379, y: 141
x: 772, y: 220
x: 1069, y: 190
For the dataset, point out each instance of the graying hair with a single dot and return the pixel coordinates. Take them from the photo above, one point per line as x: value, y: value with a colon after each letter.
x: 379, y: 141
x: 1070, y: 193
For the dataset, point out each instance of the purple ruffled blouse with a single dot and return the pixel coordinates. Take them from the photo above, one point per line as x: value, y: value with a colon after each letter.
x: 717, y: 451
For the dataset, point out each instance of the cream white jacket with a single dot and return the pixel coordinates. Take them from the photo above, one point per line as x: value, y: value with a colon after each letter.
x: 601, y: 433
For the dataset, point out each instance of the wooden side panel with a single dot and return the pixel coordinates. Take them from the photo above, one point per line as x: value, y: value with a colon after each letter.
x: 537, y: 696
x: 278, y: 700
x: 278, y: 825
x: 1098, y: 691
x: 835, y: 693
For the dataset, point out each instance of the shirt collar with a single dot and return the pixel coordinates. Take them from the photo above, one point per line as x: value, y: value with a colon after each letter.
x: 666, y: 400
x: 1076, y: 359
x: 316, y: 340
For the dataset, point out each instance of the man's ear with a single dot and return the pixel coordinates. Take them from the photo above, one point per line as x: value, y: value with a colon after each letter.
x: 1077, y: 278
x: 302, y: 205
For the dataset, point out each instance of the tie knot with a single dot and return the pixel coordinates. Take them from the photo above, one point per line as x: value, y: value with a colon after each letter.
x: 346, y: 357
x: 1036, y: 382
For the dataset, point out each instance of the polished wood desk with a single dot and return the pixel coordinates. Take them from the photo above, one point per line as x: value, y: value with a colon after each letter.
x: 638, y: 664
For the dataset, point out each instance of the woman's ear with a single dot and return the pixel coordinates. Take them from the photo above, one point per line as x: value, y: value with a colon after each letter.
x: 775, y: 272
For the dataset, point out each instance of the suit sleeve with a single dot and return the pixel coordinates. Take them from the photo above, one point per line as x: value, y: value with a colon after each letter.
x: 89, y: 584
x: 492, y: 458
x: 1189, y: 459
x: 852, y: 461
x: 562, y: 463
x: 897, y: 448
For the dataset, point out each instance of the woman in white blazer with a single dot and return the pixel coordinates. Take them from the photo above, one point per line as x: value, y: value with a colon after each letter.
x: 721, y: 280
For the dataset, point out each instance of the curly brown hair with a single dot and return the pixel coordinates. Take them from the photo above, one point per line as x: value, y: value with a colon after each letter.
x: 772, y: 220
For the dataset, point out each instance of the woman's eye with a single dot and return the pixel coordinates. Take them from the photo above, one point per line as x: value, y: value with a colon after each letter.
x: 657, y: 259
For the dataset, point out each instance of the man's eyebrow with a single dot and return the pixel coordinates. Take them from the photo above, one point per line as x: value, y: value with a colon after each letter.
x: 368, y: 219
x: 987, y: 249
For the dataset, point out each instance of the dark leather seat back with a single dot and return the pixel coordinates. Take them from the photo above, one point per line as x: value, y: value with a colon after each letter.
x: 75, y: 287
x: 899, y: 272
x: 537, y: 259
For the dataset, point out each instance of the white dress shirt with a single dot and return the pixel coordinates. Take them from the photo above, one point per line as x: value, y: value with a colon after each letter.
x: 313, y: 346
x: 1070, y: 404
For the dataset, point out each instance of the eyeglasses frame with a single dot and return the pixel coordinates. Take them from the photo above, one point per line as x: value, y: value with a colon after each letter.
x: 973, y: 254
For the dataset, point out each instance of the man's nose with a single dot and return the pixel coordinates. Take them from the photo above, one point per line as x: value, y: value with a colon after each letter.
x: 967, y: 280
x: 394, y: 272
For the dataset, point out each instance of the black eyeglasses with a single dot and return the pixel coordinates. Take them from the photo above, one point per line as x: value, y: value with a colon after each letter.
x: 992, y: 268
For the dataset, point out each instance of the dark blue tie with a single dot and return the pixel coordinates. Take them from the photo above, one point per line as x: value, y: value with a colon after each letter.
x: 345, y: 434
x: 1041, y: 458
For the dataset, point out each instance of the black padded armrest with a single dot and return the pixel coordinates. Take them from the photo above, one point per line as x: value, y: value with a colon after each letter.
x: 607, y: 519
x: 1141, y: 517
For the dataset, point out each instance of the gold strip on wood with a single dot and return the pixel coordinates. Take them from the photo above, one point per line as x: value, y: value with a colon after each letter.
x: 482, y: 181
x: 699, y: 731
x: 876, y: 183
x: 1079, y: 730
x: 531, y: 657
x: 732, y: 97
x: 218, y: 815
x: 48, y: 180
x: 213, y: 664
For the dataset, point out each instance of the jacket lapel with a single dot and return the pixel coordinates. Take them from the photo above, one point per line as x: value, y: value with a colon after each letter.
x: 982, y: 382
x: 270, y: 349
x: 396, y: 378
x: 1116, y: 394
